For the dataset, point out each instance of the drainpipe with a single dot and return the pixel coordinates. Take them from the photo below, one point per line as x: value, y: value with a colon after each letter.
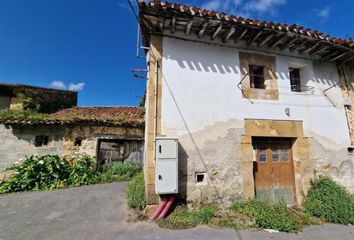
x: 155, y: 106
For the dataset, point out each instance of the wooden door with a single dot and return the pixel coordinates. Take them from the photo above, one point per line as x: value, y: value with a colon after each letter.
x: 274, y: 170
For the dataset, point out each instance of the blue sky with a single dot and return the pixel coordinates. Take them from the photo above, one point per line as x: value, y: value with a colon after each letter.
x: 91, y: 48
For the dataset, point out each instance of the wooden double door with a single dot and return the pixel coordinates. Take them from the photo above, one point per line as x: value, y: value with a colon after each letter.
x: 274, y: 170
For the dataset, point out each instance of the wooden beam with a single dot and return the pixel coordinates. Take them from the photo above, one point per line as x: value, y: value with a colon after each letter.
x: 338, y: 57
x: 217, y: 31
x: 276, y: 43
x: 173, y: 24
x: 298, y: 46
x: 229, y: 33
x: 306, y: 50
x: 290, y: 43
x: 348, y: 59
x: 188, y: 28
x: 332, y: 54
x: 243, y: 34
x: 254, y: 38
x: 202, y: 29
x: 161, y: 21
x: 317, y: 51
x: 265, y: 40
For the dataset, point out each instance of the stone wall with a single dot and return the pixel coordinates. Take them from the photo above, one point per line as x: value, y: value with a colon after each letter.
x: 89, y: 136
x: 5, y: 102
x: 44, y: 100
x: 17, y: 142
x: 224, y: 152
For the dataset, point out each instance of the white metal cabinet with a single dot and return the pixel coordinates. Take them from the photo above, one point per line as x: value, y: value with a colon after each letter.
x: 166, y: 179
x: 166, y: 148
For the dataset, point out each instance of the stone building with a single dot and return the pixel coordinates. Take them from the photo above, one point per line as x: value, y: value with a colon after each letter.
x: 107, y: 133
x: 45, y: 100
x: 259, y: 108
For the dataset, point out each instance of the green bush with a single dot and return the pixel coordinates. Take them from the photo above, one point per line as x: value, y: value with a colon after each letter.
x: 329, y: 202
x: 136, y: 192
x: 266, y: 215
x: 181, y: 218
x: 82, y: 172
x: 119, y: 172
x: 37, y: 173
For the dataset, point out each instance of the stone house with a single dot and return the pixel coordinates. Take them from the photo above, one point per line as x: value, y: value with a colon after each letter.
x: 107, y: 133
x: 46, y: 100
x: 259, y: 108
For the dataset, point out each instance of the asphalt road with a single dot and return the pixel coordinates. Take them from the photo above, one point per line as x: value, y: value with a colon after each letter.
x: 99, y: 212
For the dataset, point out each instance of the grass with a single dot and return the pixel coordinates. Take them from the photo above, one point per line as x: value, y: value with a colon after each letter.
x: 136, y: 192
x: 182, y: 218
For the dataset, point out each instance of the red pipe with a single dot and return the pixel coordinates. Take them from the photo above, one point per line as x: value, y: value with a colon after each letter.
x: 159, y: 208
x: 167, y: 207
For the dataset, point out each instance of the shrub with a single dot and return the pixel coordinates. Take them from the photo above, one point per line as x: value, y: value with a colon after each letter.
x: 82, y: 172
x: 37, y: 173
x: 119, y: 172
x: 136, y: 192
x: 329, y: 202
x: 266, y: 215
x: 181, y: 218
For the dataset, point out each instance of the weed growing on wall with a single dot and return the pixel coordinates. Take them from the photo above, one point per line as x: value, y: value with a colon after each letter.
x: 27, y: 114
x: 329, y: 202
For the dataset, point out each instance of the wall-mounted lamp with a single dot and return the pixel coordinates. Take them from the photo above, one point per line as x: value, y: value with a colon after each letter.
x: 287, y: 111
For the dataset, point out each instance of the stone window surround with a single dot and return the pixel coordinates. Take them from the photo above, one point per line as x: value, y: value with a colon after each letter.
x: 271, y: 91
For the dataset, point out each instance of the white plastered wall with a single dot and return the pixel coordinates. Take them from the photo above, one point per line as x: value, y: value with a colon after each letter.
x: 200, y: 89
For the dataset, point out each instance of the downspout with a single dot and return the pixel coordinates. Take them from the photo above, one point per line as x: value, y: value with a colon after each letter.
x: 155, y: 106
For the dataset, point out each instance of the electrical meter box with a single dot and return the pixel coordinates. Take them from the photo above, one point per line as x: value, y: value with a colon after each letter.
x: 166, y: 179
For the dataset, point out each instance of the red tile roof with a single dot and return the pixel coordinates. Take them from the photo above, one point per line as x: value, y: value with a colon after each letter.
x: 116, y: 116
x: 211, y: 14
x: 100, y: 113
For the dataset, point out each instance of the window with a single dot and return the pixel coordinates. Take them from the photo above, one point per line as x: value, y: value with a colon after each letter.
x: 256, y: 76
x: 275, y: 155
x: 41, y: 140
x: 77, y: 142
x: 295, y: 79
x: 262, y: 154
x: 284, y: 154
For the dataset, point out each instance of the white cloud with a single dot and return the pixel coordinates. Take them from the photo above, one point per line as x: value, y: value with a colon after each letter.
x: 57, y: 85
x: 323, y: 13
x: 243, y: 7
x: 77, y: 86
x: 212, y: 5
